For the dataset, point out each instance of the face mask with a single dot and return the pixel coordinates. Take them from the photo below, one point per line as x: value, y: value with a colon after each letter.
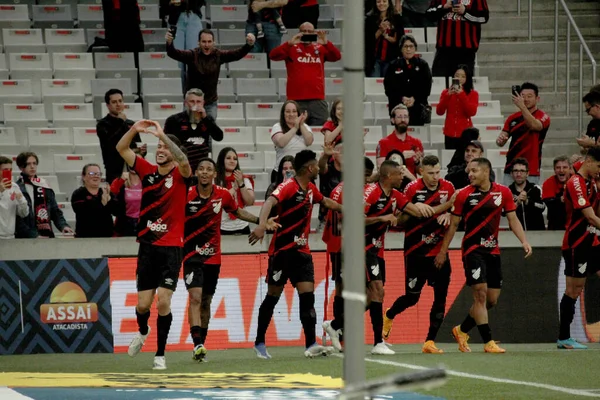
x: 289, y: 174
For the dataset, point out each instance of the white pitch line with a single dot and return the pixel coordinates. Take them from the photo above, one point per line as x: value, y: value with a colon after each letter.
x: 576, y: 392
x: 9, y: 394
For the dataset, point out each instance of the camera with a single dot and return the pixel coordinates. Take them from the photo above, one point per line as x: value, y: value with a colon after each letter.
x: 309, y: 37
x: 455, y: 83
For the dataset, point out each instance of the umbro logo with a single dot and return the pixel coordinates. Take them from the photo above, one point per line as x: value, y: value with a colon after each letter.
x: 168, y: 281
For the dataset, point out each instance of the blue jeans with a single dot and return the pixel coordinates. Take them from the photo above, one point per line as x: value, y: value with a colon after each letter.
x: 271, y: 40
x: 211, y: 110
x: 379, y: 69
x: 188, y: 29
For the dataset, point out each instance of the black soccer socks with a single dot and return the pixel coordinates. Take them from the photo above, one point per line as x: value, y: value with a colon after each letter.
x: 338, y: 313
x: 142, y: 321
x: 163, y: 326
x: 376, y: 312
x: 265, y: 313
x: 567, y: 312
x: 402, y: 303
x: 485, y: 331
x: 196, y: 333
x: 308, y: 317
x: 468, y: 324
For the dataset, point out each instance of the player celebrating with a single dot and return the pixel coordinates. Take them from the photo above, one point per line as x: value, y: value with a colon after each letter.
x: 202, y: 247
x: 580, y: 244
x: 481, y: 205
x: 289, y: 254
x: 160, y: 231
x: 422, y: 242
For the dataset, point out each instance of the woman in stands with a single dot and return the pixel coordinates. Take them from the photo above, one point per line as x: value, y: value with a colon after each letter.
x: 127, y: 191
x: 333, y: 128
x: 459, y: 102
x: 466, y: 137
x: 383, y: 28
x: 408, y: 81
x: 93, y: 205
x: 239, y: 185
x: 291, y: 134
x: 286, y: 171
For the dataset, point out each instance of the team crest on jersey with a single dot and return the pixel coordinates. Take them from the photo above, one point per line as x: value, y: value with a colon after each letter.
x: 310, y: 196
x: 393, y: 205
x: 169, y: 182
x: 151, y: 179
x: 216, y: 206
x: 498, y: 199
x: 443, y: 197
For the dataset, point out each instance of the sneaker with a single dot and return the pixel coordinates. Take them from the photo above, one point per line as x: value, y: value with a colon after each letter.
x: 462, y: 339
x: 199, y: 353
x: 282, y: 29
x: 260, y: 34
x: 317, y: 350
x: 571, y: 344
x: 431, y: 348
x: 492, y: 347
x: 159, y: 363
x: 137, y: 343
x: 387, y: 325
x: 261, y: 351
x: 333, y: 334
x: 382, y: 350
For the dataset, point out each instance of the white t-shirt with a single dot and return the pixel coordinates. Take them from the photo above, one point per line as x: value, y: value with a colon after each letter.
x: 228, y: 224
x: 10, y: 207
x: 294, y: 146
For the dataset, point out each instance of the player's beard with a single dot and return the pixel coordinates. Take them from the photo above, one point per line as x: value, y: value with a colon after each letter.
x: 168, y: 159
x: 401, y: 128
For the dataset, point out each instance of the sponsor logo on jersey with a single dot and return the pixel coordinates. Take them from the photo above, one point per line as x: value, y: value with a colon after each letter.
x: 157, y: 226
x: 205, y: 250
x: 432, y: 238
x: 490, y: 242
x: 300, y: 241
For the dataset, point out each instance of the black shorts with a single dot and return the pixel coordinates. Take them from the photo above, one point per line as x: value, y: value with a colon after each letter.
x: 374, y: 267
x: 336, y: 267
x: 582, y: 261
x: 421, y: 269
x: 157, y: 266
x: 200, y: 275
x: 290, y: 264
x: 483, y: 267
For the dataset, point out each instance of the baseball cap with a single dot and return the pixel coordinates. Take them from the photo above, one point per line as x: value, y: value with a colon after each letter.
x: 476, y: 143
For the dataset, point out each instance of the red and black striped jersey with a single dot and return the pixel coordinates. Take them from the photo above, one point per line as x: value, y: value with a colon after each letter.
x: 524, y: 142
x: 481, y: 212
x: 332, y: 233
x: 458, y: 31
x: 202, y: 241
x: 294, y: 209
x: 423, y: 236
x: 580, y: 193
x: 162, y: 213
x: 377, y: 203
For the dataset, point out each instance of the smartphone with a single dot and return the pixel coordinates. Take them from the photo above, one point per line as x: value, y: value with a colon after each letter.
x: 173, y: 30
x: 516, y: 89
x: 309, y: 37
x: 455, y: 3
x: 7, y: 174
x: 455, y: 83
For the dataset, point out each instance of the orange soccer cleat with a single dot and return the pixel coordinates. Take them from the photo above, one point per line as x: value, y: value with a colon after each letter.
x: 492, y: 347
x: 462, y: 339
x: 431, y: 348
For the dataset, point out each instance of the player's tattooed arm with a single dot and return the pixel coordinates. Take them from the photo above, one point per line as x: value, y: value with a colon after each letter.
x: 178, y: 155
x: 244, y: 215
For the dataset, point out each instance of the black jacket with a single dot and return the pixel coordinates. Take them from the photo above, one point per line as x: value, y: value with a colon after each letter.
x: 371, y: 28
x: 26, y: 228
x: 459, y: 177
x: 122, y: 27
x: 530, y: 214
x: 174, y: 11
x: 110, y: 130
x: 408, y: 79
x: 92, y: 218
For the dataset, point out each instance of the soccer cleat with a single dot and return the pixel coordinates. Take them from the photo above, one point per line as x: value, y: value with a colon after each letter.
x: 159, y: 363
x: 570, y: 344
x: 462, y: 339
x: 261, y: 351
x: 381, y: 349
x: 317, y: 350
x: 199, y: 353
x: 492, y: 347
x: 333, y: 334
x: 431, y: 348
x: 137, y: 343
x: 387, y: 325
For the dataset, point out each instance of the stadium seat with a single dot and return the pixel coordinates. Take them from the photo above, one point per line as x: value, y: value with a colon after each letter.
x: 374, y: 90
x: 259, y: 90
x: 251, y: 160
x: 75, y: 66
x: 166, y: 90
x: 133, y: 111
x: 419, y: 35
x: 16, y: 91
x: 263, y: 138
x: 426, y: 56
x: 226, y: 90
x: 231, y: 114
x: 65, y: 40
x: 438, y: 86
x: 3, y: 67
x: 23, y: 41
x: 436, y: 134
x: 149, y: 16
x: 338, y: 15
x: 373, y: 134
x: 61, y: 91
x: 92, y: 33
x: 279, y: 71
x: 161, y: 111
x: 73, y: 115
x: 446, y: 157
x: 228, y: 16
x: 421, y: 133
x: 261, y: 184
x: 101, y: 86
x: 14, y: 16
x: 34, y: 66
x: 52, y: 181
x: 334, y: 69
x: 73, y: 163
x: 90, y: 16
x: 489, y: 133
x: 270, y: 157
x: 333, y: 88
x: 497, y: 157
x: 262, y: 113
x: 67, y: 210
x: 158, y: 65
x: 46, y: 142
x: 23, y: 116
x: 230, y: 39
x: 326, y: 18
x: 431, y: 33
x: 481, y: 84
x: 241, y: 138
x: 253, y: 65
x: 154, y: 39
x: 8, y: 141
x: 381, y: 113
x: 85, y: 140
x: 117, y: 65
x: 55, y: 16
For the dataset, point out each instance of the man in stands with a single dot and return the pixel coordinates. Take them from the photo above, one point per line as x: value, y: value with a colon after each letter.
x: 458, y: 33
x: 581, y: 243
x: 202, y: 247
x: 41, y: 200
x: 110, y: 130
x: 194, y: 127
x: 527, y: 197
x: 12, y: 202
x: 527, y: 130
x: 289, y: 254
x: 160, y: 231
x: 399, y: 139
x: 422, y: 242
x: 304, y: 56
x: 553, y: 193
x: 591, y: 102
x: 481, y: 205
x: 330, y: 172
x: 458, y: 175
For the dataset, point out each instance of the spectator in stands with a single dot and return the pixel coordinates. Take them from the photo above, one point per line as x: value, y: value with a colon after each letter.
x: 458, y: 33
x: 291, y: 134
x: 591, y: 102
x: 527, y: 128
x: 257, y: 19
x: 383, y: 28
x: 110, y: 130
x: 398, y: 157
x: 330, y: 173
x: 467, y: 136
x: 413, y: 13
x: 333, y: 128
x: 459, y: 103
x: 186, y: 17
x: 93, y: 205
x: 553, y: 194
x: 12, y: 201
x: 122, y: 26
x: 527, y: 197
x: 304, y: 61
x: 458, y: 174
x: 194, y: 127
x: 41, y: 201
x: 399, y: 139
x: 286, y: 171
x: 408, y: 81
x: 204, y: 65
x: 295, y: 12
x: 269, y: 10
x: 127, y: 192
x: 241, y: 187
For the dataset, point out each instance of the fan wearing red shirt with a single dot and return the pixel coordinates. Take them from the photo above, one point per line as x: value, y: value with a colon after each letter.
x: 527, y: 130
x: 411, y: 147
x: 289, y: 254
x: 581, y: 244
x: 553, y: 194
x: 304, y: 62
x: 481, y: 205
x: 160, y: 230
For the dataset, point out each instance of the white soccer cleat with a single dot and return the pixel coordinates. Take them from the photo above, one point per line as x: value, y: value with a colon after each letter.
x: 159, y: 363
x: 137, y: 343
x: 317, y: 350
x: 381, y: 349
x: 333, y: 334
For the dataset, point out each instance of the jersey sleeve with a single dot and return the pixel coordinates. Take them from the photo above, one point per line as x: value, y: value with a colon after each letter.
x: 451, y: 189
x: 382, y: 149
x: 229, y: 203
x: 370, y: 196
x: 544, y: 119
x: 328, y: 126
x: 508, y: 201
x: 576, y: 189
x: 284, y: 191
x: 143, y: 167
x: 410, y: 190
x: 401, y: 200
x: 507, y: 124
x: 317, y: 196
x: 459, y: 203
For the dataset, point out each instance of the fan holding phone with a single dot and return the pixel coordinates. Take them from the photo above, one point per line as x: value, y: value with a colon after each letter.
x: 12, y: 202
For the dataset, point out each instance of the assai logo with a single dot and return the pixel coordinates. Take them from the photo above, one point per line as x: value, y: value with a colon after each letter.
x: 68, y: 308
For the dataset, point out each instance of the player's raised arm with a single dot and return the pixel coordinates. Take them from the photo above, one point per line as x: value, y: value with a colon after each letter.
x: 517, y: 228
x: 178, y: 155
x: 123, y: 145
